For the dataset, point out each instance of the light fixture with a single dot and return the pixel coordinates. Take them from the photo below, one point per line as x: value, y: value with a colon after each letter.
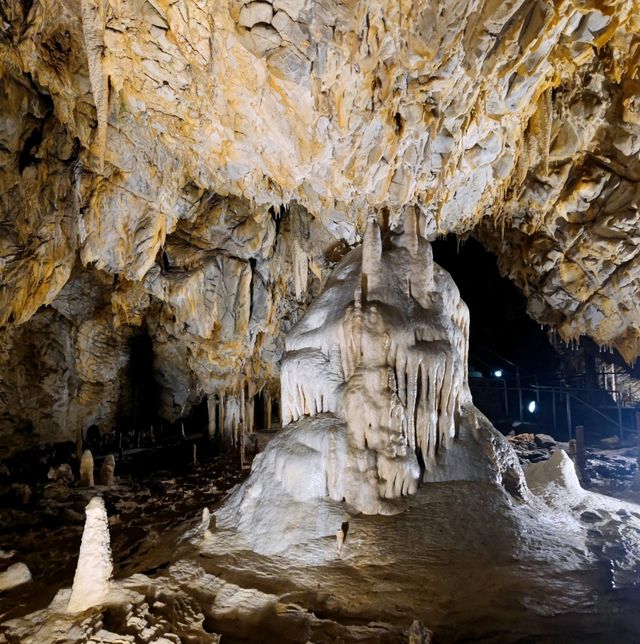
x: 532, y: 407
x: 498, y: 373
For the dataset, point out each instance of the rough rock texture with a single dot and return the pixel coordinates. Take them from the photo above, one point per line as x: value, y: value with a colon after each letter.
x: 374, y: 387
x: 178, y: 170
x: 92, y: 581
x: 15, y: 575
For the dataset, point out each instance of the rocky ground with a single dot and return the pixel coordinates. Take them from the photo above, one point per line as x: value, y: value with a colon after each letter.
x: 556, y: 573
x: 611, y: 466
x: 41, y: 524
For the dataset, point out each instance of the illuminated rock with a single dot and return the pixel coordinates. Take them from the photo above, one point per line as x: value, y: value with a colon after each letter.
x: 92, y: 581
x: 374, y: 388
x: 86, y: 469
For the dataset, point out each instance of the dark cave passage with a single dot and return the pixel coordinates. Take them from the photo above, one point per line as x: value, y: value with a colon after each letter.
x: 144, y: 394
x: 522, y: 376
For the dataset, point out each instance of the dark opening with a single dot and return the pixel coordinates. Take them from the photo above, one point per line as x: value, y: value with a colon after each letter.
x: 197, y: 422
x: 259, y: 413
x: 522, y: 376
x: 143, y: 387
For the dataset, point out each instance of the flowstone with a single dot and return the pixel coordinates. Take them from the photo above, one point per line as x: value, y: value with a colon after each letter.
x: 374, y: 390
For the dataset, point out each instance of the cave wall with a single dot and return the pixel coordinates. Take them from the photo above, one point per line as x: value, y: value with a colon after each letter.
x: 193, y: 170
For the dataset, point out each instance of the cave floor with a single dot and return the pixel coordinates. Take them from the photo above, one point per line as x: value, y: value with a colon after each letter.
x: 464, y: 559
x: 467, y: 562
x: 148, y: 514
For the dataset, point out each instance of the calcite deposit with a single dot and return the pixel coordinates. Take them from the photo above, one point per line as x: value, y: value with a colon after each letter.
x: 375, y: 393
x: 91, y: 583
x: 188, y: 172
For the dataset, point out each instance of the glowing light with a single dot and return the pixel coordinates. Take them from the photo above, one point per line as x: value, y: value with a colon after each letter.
x: 498, y: 373
x: 532, y: 406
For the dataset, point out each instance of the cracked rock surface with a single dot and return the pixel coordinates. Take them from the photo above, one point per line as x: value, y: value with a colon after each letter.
x: 190, y: 172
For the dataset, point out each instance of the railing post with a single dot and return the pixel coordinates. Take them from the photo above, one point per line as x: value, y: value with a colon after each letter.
x: 506, y: 399
x: 569, y: 425
x: 581, y: 456
x: 519, y: 392
x: 620, y: 418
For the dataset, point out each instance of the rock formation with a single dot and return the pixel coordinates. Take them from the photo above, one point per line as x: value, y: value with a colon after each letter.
x: 92, y: 580
x: 189, y: 175
x: 15, y: 575
x: 86, y: 469
x: 107, y: 471
x: 374, y: 387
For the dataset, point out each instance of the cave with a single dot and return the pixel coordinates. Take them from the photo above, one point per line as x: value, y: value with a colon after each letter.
x: 319, y: 321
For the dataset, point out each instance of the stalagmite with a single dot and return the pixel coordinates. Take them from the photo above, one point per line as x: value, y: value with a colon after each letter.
x: 86, y: 469
x: 374, y: 386
x: 15, y: 575
x: 107, y: 471
x: 407, y: 341
x: 267, y: 410
x: 92, y: 580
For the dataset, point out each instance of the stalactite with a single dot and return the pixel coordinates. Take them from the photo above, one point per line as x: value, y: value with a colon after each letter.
x: 93, y: 25
x: 267, y: 410
x: 211, y: 416
x: 300, y: 271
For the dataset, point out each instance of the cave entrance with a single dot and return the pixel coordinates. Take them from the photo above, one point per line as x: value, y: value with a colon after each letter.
x: 522, y: 376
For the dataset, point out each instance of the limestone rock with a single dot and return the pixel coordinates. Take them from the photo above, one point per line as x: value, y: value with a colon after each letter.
x: 157, y: 164
x: 554, y: 479
x: 91, y: 583
x: 15, y: 575
x: 107, y: 471
x: 374, y: 390
x: 62, y: 473
x: 255, y: 12
x: 86, y: 469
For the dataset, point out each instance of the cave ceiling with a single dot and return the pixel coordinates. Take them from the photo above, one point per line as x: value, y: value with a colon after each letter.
x: 191, y: 170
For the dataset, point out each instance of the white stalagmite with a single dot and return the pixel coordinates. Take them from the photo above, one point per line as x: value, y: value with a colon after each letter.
x: 86, y: 469
x: 374, y: 386
x: 92, y: 580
